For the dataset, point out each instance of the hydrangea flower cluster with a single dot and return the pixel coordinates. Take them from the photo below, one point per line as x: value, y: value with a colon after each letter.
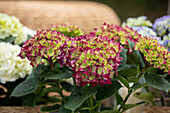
x: 154, y: 53
x: 45, y: 46
x: 140, y: 21
x: 70, y: 31
x: 166, y: 41
x: 146, y: 31
x: 118, y: 33
x: 11, y: 26
x: 162, y: 25
x: 92, y: 58
x: 12, y: 67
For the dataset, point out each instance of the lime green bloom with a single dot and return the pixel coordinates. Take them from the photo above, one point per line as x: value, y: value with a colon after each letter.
x: 70, y: 31
x: 154, y: 53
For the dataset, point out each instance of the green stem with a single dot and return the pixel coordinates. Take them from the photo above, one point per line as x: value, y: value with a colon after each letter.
x: 124, y: 101
x: 91, y: 104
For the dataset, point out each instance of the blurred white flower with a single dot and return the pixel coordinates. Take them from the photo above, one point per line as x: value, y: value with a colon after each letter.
x: 11, y: 26
x: 12, y: 67
x: 139, y: 21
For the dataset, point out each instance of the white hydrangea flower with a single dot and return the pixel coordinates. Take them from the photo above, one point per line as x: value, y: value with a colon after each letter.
x: 139, y: 21
x: 11, y: 26
x: 12, y: 67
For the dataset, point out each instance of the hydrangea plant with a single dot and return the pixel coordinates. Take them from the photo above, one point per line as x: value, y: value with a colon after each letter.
x: 139, y: 21
x: 12, y: 67
x: 12, y: 30
x: 156, y: 54
x: 99, y: 65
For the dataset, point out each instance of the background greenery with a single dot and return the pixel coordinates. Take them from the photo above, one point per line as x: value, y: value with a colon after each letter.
x: 133, y: 8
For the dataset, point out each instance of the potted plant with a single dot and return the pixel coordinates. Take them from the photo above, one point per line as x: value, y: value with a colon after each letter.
x: 99, y: 63
x: 160, y: 31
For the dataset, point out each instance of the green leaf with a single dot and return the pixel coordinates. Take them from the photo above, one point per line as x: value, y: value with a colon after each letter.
x: 157, y: 81
x: 130, y: 74
x: 123, y: 62
x: 62, y: 109
x: 129, y: 106
x: 39, y: 70
x: 30, y: 100
x: 107, y: 90
x: 2, y: 92
x: 124, y: 81
x: 9, y: 39
x: 68, y: 87
x: 50, y: 108
x: 51, y: 75
x: 144, y: 96
x: 78, y: 96
x: 138, y: 55
x: 26, y: 87
x: 119, y: 99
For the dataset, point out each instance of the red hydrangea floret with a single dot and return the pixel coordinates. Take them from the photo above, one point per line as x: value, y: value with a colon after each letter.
x: 118, y: 33
x: 93, y: 58
x: 45, y: 47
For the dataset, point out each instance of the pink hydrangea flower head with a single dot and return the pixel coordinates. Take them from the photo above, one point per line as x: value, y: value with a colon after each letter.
x: 154, y: 53
x: 45, y: 46
x: 70, y: 31
x: 118, y: 33
x: 92, y: 58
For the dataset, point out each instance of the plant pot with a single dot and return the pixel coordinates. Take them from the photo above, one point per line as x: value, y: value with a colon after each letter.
x: 158, y: 108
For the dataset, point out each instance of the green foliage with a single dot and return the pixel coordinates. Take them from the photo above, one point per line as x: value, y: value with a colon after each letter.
x: 123, y: 62
x: 157, y: 81
x: 108, y: 90
x: 78, y: 96
x: 26, y: 87
x: 50, y: 108
x: 137, y: 54
x: 129, y: 106
x: 9, y: 39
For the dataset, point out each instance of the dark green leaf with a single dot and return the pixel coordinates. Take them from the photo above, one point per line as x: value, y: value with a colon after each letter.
x: 129, y: 106
x: 123, y: 62
x: 118, y: 98
x: 2, y: 92
x: 9, y: 39
x: 30, y: 100
x: 157, y: 81
x: 107, y: 90
x: 68, y: 87
x: 38, y: 70
x: 50, y: 108
x: 62, y: 109
x: 51, y: 75
x: 124, y: 81
x: 130, y: 74
x: 26, y: 87
x: 78, y: 96
x: 138, y: 55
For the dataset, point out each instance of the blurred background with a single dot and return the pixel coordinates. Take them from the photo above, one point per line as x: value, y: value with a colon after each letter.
x: 132, y: 8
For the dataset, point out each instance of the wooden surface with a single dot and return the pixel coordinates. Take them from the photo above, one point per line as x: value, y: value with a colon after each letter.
x: 41, y: 14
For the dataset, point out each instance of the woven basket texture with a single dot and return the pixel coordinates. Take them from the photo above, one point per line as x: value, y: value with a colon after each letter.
x: 41, y: 14
x: 19, y: 109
